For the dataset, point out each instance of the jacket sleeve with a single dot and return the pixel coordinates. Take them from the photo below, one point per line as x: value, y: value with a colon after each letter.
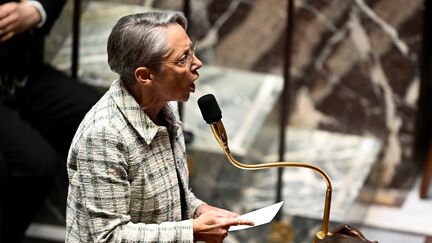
x: 53, y: 9
x: 193, y: 203
x: 102, y: 171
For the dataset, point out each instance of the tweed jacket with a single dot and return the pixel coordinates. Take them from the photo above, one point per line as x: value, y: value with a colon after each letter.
x: 123, y: 184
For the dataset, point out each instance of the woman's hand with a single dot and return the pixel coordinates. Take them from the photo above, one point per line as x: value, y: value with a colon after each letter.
x: 207, y: 208
x: 17, y: 17
x: 212, y: 223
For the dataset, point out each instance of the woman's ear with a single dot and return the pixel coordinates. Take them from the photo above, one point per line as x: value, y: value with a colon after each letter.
x: 144, y: 75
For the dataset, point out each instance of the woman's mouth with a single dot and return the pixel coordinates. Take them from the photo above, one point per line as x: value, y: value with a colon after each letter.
x: 192, y: 87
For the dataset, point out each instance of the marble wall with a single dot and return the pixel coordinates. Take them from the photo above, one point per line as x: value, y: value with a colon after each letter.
x: 355, y: 65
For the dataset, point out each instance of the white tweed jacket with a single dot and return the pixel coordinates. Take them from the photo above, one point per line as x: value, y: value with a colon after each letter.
x: 123, y: 184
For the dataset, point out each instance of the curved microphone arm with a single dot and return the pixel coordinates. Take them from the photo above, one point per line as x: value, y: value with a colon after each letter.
x: 220, y: 134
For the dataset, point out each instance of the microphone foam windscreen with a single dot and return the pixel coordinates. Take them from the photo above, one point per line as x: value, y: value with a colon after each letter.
x: 209, y: 108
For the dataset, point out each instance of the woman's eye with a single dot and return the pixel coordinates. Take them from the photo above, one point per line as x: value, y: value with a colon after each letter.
x: 182, y: 60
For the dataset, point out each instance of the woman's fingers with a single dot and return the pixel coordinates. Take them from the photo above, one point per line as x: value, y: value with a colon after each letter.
x: 237, y: 221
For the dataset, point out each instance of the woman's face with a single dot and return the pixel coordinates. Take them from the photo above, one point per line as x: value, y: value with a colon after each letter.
x: 176, y: 79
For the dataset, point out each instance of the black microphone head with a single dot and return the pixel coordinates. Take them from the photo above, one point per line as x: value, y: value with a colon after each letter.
x: 209, y: 108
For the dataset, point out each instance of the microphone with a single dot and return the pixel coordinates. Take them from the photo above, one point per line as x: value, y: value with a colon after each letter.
x: 209, y: 108
x: 213, y: 116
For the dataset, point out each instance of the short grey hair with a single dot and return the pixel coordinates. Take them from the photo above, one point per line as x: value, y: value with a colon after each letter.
x: 140, y: 40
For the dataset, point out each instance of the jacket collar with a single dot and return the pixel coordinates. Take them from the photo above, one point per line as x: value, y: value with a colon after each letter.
x: 138, y: 118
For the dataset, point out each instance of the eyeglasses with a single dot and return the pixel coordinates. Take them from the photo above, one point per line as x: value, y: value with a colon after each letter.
x: 186, y: 59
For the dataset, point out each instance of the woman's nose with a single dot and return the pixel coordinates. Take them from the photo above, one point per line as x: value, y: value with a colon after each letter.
x: 196, y: 63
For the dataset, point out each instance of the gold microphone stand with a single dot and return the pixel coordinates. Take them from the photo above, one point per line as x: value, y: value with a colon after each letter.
x: 220, y: 134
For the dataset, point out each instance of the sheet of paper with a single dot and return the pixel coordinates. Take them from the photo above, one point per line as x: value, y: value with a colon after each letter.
x: 259, y: 216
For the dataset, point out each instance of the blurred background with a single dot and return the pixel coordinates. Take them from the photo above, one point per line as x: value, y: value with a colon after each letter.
x: 341, y: 84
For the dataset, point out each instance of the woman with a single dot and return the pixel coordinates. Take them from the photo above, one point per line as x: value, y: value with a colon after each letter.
x: 127, y: 164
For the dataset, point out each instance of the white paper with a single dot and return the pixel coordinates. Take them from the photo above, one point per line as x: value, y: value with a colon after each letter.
x: 259, y: 216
